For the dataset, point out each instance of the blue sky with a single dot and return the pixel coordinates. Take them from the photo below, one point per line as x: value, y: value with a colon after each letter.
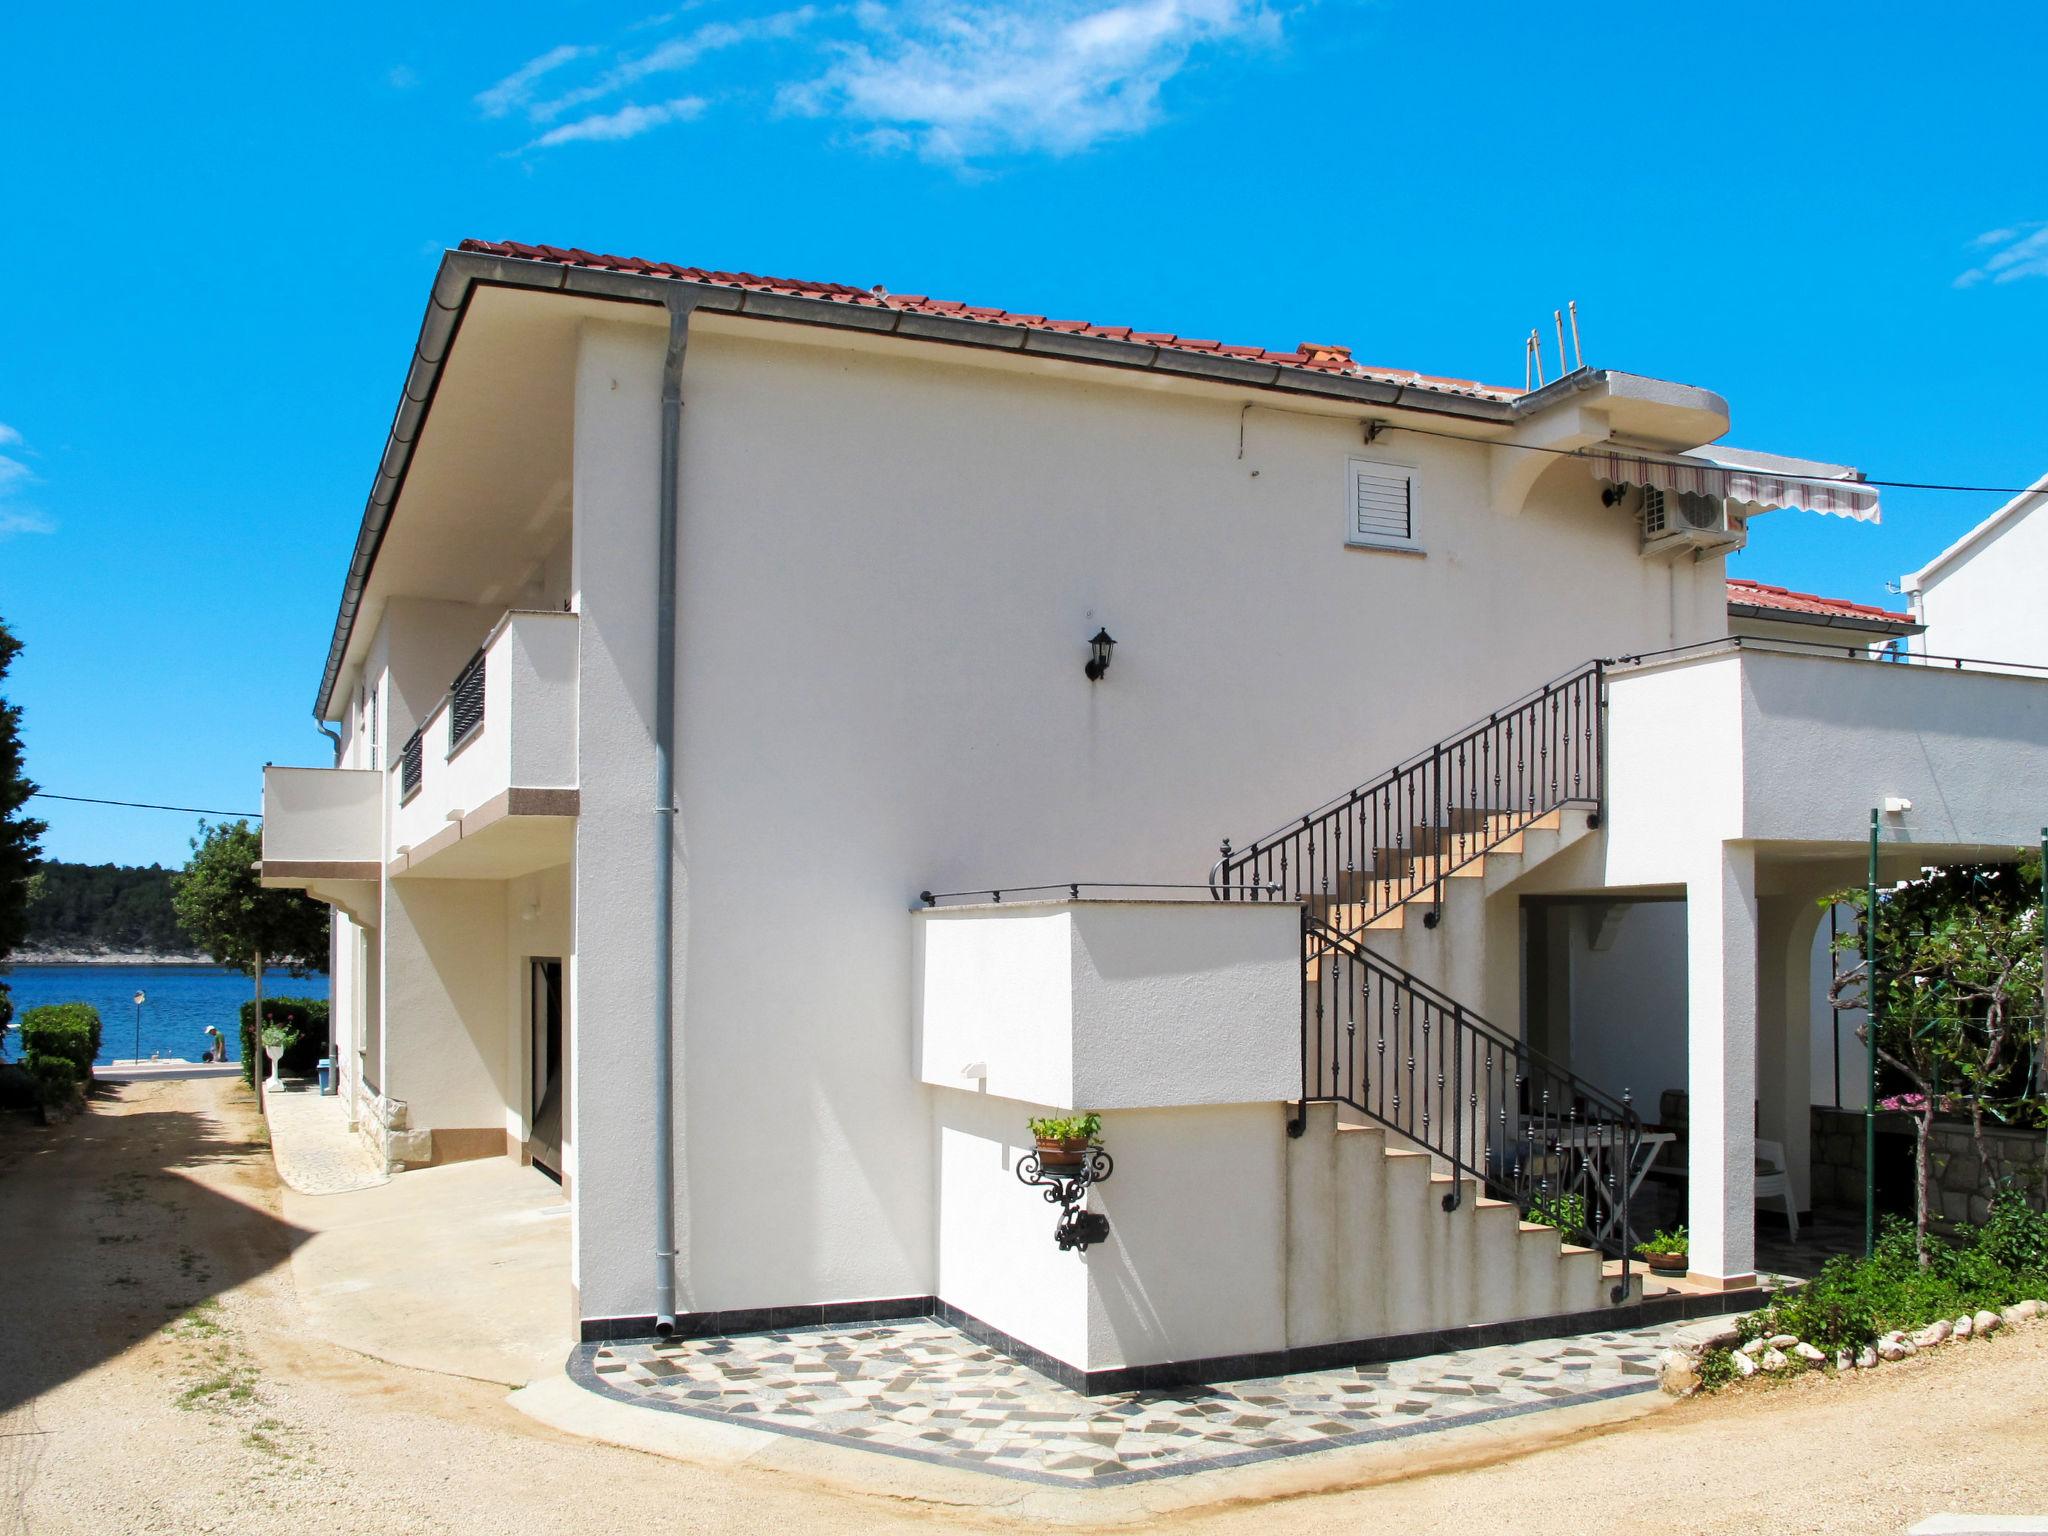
x: 223, y: 224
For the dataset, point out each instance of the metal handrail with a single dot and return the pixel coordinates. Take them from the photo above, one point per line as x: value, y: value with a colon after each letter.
x: 1402, y: 835
x: 1400, y: 1052
x: 1882, y: 655
x: 1074, y: 888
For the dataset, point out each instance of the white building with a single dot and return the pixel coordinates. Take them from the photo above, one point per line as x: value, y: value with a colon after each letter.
x: 1983, y: 595
x: 701, y: 624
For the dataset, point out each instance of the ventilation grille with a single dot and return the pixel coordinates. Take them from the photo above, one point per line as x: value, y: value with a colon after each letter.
x: 1382, y: 504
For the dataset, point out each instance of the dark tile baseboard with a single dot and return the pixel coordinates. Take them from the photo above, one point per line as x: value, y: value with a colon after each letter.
x: 1186, y: 1373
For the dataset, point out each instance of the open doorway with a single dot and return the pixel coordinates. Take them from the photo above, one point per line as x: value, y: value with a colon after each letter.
x: 549, y: 1088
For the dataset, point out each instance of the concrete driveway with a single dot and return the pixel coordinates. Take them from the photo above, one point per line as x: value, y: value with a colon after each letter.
x: 462, y: 1269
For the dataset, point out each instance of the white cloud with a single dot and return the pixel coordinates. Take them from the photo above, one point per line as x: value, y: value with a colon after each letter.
x: 672, y: 56
x: 516, y: 89
x: 2016, y: 252
x: 629, y: 122
x: 948, y: 79
x: 401, y: 77
x: 965, y: 79
x: 15, y: 517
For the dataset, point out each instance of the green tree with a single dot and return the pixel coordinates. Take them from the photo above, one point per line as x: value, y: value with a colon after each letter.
x: 1959, y: 1004
x: 232, y: 917
x: 20, y: 833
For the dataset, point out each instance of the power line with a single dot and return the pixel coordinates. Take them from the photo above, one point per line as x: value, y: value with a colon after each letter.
x: 1650, y: 456
x: 145, y: 805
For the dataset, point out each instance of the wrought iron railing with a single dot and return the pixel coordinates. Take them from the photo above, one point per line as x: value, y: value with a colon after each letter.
x: 411, y: 762
x: 1406, y: 1056
x: 1402, y: 835
x: 466, y: 703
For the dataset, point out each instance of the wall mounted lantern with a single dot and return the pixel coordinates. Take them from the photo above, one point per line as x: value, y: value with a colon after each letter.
x: 1098, y: 655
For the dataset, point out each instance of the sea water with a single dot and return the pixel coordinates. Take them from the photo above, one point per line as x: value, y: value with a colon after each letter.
x: 181, y: 1000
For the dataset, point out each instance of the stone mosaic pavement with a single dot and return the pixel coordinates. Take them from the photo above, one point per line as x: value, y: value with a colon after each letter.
x: 922, y: 1389
x: 315, y: 1151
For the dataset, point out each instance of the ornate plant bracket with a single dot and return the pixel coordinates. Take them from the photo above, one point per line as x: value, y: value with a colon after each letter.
x: 1067, y: 1188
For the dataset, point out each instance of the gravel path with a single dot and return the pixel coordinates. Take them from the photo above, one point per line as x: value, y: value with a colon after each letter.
x: 155, y: 1376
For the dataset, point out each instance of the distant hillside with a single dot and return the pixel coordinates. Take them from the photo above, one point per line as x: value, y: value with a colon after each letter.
x: 92, y: 908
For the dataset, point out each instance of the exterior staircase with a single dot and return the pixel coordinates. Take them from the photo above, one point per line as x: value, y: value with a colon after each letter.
x: 1425, y: 1133
x: 1378, y: 1245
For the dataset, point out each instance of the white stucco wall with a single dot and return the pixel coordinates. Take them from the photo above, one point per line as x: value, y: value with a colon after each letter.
x: 1827, y: 740
x: 1987, y: 602
x: 610, y: 982
x: 444, y: 975
x: 1163, y: 1287
x: 321, y: 814
x: 1112, y: 1005
x: 889, y: 570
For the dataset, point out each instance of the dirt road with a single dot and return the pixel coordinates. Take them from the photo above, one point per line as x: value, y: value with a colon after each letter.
x: 153, y: 1377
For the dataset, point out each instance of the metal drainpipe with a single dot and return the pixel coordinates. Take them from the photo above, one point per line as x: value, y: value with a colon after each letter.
x: 665, y: 819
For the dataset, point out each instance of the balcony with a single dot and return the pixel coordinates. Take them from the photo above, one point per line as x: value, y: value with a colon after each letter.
x: 486, y: 787
x: 322, y: 833
x: 1770, y: 742
x: 1098, y: 1005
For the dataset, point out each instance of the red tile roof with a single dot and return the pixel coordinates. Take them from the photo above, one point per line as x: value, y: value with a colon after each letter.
x: 1317, y: 356
x: 1754, y: 594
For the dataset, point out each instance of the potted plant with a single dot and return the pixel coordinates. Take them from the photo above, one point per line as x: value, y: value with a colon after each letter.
x: 1063, y: 1140
x: 1665, y: 1252
x: 276, y: 1038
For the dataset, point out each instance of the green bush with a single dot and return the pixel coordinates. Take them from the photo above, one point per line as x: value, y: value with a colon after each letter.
x: 305, y: 1016
x: 1566, y: 1212
x: 1066, y: 1127
x: 1853, y: 1301
x: 1717, y: 1368
x: 67, y: 1032
x: 17, y: 1087
x: 57, y: 1081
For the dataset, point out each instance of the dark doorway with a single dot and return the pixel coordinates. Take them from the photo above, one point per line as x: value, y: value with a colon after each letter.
x: 550, y: 1066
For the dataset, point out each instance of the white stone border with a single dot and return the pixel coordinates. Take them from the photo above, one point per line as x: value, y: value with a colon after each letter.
x: 1679, y: 1371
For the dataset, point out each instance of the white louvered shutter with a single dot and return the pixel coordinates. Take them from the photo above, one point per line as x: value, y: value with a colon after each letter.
x: 1382, y: 503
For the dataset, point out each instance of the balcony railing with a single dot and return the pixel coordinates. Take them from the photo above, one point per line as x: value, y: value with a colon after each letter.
x: 507, y: 721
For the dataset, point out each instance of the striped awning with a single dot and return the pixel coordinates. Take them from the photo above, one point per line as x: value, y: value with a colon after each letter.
x: 1753, y: 486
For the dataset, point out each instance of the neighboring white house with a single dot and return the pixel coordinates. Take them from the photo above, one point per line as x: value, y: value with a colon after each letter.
x: 708, y: 635
x: 1983, y: 595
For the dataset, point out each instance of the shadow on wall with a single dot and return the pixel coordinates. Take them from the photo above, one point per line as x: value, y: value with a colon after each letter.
x: 111, y: 1240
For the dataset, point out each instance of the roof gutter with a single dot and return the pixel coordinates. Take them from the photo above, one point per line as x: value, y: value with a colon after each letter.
x: 1869, y: 626
x: 462, y: 273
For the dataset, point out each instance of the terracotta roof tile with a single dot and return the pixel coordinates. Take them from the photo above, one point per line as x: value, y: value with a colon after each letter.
x: 1755, y: 594
x: 1317, y: 357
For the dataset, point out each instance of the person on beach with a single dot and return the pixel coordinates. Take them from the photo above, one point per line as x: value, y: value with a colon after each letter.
x: 216, y: 1046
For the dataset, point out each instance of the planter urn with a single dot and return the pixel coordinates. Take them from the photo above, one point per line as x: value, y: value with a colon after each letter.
x: 273, y: 1083
x: 1066, y: 1153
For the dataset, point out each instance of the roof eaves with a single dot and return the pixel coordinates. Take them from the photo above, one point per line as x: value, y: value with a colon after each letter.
x: 2027, y: 501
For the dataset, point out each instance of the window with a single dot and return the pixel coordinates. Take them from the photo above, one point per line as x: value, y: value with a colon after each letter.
x: 370, y: 709
x: 1381, y: 505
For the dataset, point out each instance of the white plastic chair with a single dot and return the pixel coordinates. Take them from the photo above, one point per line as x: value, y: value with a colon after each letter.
x: 1773, y: 1183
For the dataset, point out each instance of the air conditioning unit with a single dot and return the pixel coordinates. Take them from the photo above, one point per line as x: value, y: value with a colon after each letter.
x: 1677, y: 522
